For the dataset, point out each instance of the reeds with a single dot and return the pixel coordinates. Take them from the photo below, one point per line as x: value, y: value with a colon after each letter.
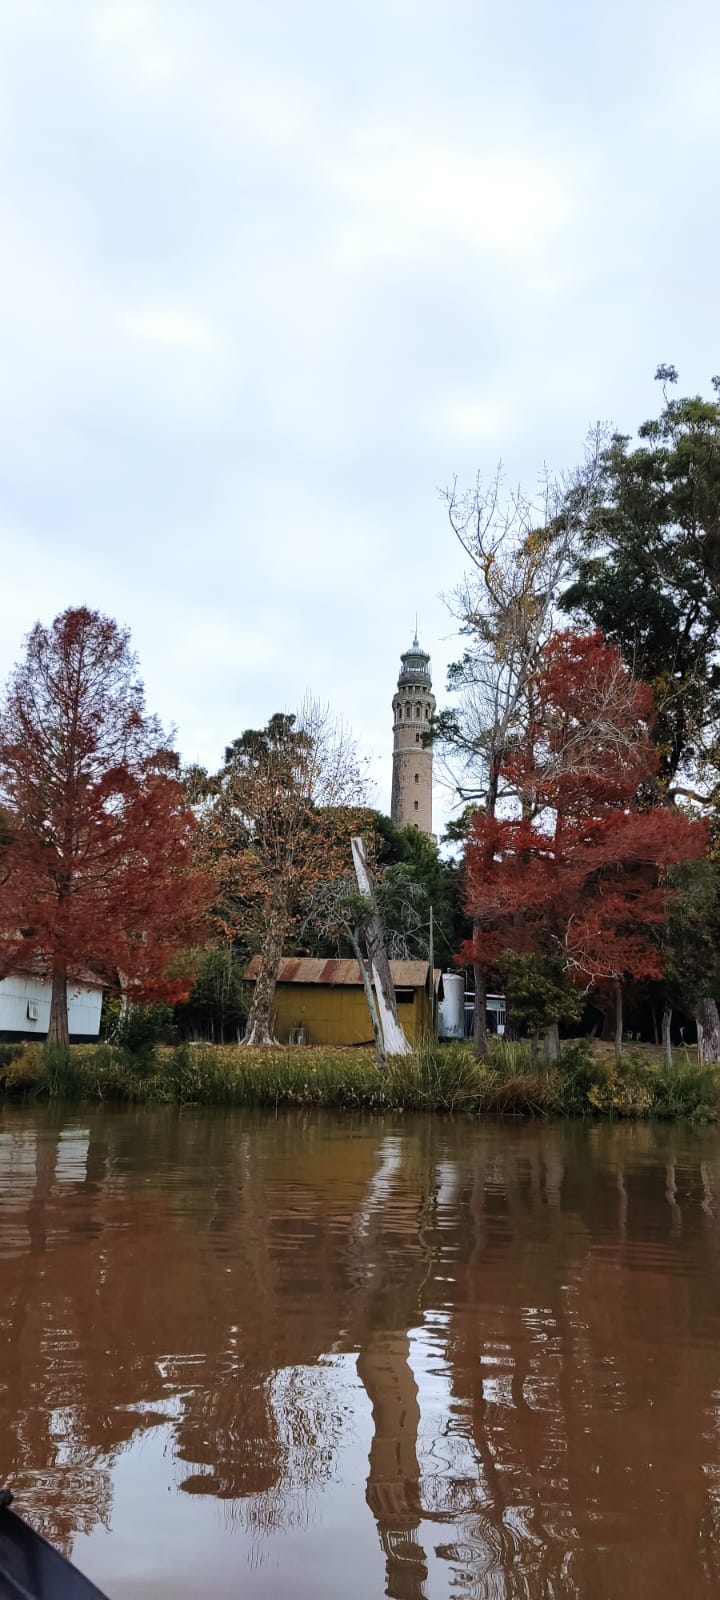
x: 585, y: 1081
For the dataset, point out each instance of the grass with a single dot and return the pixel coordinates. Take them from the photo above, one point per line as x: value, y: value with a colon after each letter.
x: 586, y: 1081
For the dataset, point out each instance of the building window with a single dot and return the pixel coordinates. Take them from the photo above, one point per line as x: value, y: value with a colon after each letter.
x: 418, y: 711
x: 417, y: 779
x: 427, y: 713
x: 408, y: 710
x: 417, y: 805
x: 417, y: 738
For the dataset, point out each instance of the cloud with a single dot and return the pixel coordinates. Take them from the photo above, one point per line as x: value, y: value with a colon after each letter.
x: 271, y: 273
x: 167, y: 325
x: 407, y: 198
x: 147, y: 45
x: 471, y: 417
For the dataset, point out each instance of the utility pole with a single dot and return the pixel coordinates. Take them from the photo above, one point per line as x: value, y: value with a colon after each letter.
x: 432, y: 975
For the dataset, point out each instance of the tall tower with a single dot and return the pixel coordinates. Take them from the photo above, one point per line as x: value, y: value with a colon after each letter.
x: 413, y: 706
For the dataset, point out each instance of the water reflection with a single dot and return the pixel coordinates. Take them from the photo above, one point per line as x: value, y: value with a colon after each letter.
x: 438, y: 1359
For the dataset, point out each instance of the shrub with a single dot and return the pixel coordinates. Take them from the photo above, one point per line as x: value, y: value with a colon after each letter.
x: 524, y: 1095
x: 136, y: 1030
x: 441, y: 1078
x: 25, y: 1072
x: 511, y: 1058
x: 8, y: 1053
x: 686, y: 1091
x: 580, y: 1070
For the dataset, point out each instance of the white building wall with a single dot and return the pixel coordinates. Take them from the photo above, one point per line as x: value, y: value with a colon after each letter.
x: 21, y: 991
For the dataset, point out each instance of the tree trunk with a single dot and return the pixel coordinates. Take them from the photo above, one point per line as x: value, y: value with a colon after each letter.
x: 666, y: 1040
x: 618, y: 1023
x: 480, y: 1033
x: 258, y: 1030
x: 708, y: 1031
x: 609, y: 1018
x: 395, y: 1042
x: 552, y: 1043
x: 380, y: 1056
x: 58, y: 1030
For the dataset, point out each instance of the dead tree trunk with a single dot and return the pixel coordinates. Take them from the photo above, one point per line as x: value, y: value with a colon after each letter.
x: 708, y: 1031
x: 618, y: 1022
x: 58, y: 1029
x: 666, y: 1040
x: 480, y: 1032
x: 552, y: 1043
x: 380, y: 1056
x: 395, y: 1042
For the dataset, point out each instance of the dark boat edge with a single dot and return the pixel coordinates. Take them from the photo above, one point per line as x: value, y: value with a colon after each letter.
x: 31, y: 1568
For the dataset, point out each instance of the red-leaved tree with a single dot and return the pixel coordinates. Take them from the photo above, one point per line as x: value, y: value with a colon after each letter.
x: 97, y: 867
x: 577, y: 874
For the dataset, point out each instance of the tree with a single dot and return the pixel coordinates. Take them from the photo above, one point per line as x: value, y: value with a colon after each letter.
x: 278, y: 820
x: 540, y: 996
x: 692, y: 951
x: 577, y: 876
x: 98, y: 871
x: 217, y: 1005
x: 648, y: 575
x: 411, y: 879
x: 521, y: 551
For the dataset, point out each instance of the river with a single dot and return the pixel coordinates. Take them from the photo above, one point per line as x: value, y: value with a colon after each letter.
x: 312, y: 1356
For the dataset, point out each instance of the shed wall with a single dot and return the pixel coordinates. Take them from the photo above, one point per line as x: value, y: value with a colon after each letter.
x: 21, y: 989
x: 339, y: 1015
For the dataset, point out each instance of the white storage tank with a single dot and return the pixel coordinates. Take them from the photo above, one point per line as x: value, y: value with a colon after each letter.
x: 451, y: 1011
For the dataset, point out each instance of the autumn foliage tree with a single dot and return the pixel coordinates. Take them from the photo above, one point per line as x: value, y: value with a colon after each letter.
x: 96, y: 862
x: 577, y: 872
x: 278, y: 819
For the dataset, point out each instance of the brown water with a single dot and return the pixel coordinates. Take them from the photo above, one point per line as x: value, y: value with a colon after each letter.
x: 316, y: 1357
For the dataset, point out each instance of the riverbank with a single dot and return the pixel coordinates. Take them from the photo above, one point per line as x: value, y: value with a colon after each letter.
x: 586, y: 1081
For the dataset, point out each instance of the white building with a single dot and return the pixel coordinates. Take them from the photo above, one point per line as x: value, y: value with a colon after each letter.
x: 25, y: 1007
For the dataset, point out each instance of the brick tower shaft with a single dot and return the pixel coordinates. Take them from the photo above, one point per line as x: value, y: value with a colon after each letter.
x: 413, y: 707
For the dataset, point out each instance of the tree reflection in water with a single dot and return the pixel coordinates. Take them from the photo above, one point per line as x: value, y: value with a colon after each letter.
x: 532, y: 1314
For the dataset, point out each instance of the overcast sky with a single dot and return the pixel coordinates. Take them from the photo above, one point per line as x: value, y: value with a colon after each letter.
x: 272, y: 272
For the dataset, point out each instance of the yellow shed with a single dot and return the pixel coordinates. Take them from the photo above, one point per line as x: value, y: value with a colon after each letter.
x: 323, y: 1002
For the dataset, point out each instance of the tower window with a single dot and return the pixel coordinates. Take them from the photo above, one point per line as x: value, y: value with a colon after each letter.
x: 399, y: 712
x: 417, y: 738
x: 417, y: 780
x: 408, y: 709
x: 418, y: 711
x: 417, y: 805
x: 427, y: 713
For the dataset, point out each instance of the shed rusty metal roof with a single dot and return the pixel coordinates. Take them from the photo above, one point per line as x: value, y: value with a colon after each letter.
x: 340, y: 974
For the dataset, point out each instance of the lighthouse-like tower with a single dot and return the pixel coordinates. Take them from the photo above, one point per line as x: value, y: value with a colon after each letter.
x: 413, y: 706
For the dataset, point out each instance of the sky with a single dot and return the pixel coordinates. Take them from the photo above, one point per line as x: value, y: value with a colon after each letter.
x: 274, y: 272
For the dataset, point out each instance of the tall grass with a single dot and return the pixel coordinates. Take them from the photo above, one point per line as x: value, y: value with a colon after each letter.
x: 584, y: 1082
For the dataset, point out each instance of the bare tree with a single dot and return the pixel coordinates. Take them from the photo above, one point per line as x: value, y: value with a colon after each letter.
x: 279, y: 821
x: 521, y: 551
